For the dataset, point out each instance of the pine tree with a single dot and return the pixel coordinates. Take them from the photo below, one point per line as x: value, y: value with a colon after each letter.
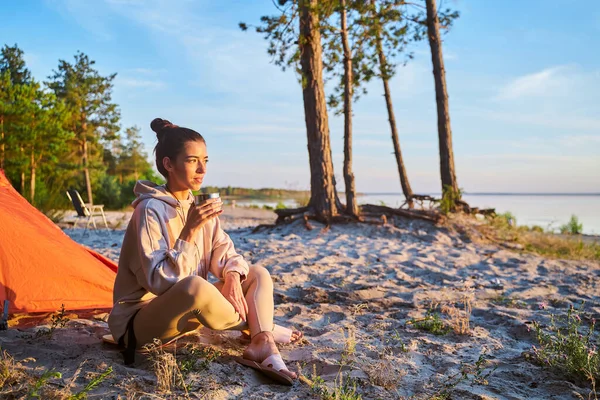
x: 93, y: 115
x: 449, y: 183
x: 302, y: 50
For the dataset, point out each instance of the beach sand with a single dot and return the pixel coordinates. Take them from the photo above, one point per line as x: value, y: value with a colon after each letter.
x: 355, y: 291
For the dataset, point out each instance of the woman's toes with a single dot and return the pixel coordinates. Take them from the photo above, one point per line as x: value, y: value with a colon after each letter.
x: 289, y: 373
x: 296, y: 335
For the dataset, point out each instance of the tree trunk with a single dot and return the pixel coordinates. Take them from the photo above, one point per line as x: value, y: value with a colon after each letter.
x: 85, y: 161
x: 32, y: 183
x: 22, y: 173
x: 406, y: 189
x: 441, y: 97
x: 351, y: 205
x: 323, y: 197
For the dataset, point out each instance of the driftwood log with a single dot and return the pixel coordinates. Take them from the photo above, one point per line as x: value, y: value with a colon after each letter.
x: 369, y: 213
x: 427, y: 215
x: 378, y: 214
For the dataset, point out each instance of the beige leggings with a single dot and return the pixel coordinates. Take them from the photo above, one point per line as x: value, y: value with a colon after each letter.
x: 193, y: 302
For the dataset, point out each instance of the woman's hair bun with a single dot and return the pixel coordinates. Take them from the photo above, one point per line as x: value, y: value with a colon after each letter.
x: 159, y: 125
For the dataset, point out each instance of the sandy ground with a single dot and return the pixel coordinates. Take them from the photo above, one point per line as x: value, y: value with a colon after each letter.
x: 353, y: 290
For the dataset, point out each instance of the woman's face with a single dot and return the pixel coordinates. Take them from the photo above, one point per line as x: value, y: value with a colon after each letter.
x: 189, y: 168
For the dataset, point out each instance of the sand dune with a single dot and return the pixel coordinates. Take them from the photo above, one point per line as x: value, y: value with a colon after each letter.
x: 357, y: 292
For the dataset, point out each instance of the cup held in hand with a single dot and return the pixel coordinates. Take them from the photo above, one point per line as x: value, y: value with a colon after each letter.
x: 202, y: 197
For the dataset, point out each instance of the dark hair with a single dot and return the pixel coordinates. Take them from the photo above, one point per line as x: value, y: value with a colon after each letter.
x: 171, y: 139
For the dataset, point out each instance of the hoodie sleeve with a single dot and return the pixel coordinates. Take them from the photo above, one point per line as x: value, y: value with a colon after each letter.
x: 223, y: 257
x: 161, y: 266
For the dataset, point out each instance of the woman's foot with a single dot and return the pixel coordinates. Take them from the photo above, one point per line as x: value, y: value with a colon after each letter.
x: 295, y: 336
x: 263, y: 346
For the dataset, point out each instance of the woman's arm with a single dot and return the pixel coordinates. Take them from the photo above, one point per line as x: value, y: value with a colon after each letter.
x: 161, y: 265
x: 223, y: 257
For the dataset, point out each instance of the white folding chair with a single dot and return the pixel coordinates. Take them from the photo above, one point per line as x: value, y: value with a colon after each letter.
x: 86, y: 210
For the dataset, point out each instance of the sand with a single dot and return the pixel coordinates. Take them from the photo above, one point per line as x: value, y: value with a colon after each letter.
x: 354, y: 290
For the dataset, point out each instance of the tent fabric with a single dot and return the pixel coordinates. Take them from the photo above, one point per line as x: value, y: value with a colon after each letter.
x: 41, y: 268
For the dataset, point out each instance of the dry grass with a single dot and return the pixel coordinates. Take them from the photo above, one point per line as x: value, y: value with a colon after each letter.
x: 555, y: 246
x: 12, y: 375
x: 384, y: 374
x: 459, y: 312
x: 570, y: 247
x: 349, y: 345
x: 166, y: 370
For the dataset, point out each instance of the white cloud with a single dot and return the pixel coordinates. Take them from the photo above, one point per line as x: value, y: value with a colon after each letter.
x: 542, y: 83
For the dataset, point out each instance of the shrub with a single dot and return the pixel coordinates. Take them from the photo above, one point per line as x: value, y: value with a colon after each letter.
x: 573, y: 227
x: 449, y: 199
x: 569, y: 346
x: 431, y: 323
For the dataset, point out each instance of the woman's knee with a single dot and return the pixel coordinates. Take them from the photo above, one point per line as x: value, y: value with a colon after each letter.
x: 261, y: 274
x: 196, y: 290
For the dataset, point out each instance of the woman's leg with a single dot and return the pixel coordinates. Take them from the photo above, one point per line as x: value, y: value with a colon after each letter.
x: 258, y: 291
x: 189, y: 303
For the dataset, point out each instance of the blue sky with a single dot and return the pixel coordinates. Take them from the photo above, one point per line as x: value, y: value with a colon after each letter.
x: 523, y: 79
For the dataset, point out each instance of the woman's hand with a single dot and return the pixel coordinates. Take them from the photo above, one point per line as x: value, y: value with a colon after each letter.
x: 198, y: 216
x: 232, y: 291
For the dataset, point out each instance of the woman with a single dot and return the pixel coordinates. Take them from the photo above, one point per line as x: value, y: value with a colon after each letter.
x: 169, y: 247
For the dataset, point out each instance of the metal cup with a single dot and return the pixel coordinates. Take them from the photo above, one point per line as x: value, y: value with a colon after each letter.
x: 202, y: 197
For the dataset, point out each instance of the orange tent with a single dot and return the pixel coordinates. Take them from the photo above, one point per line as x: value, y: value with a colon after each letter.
x: 41, y: 268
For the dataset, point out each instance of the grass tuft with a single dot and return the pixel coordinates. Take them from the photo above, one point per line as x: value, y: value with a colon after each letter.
x: 569, y: 346
x: 536, y: 241
x: 164, y: 364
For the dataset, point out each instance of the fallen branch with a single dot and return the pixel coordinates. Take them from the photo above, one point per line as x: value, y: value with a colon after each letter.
x: 426, y: 215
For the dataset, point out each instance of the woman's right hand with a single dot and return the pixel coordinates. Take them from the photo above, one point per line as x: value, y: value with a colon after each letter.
x: 198, y: 216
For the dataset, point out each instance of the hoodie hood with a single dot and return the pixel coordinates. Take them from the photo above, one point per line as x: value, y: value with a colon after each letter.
x: 150, y: 190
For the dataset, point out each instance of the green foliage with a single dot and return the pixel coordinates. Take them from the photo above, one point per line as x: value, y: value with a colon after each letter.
x: 344, y: 388
x: 39, y: 384
x: 509, y: 302
x: 91, y: 385
x: 58, y: 320
x: 431, y: 323
x: 13, y: 62
x: 573, y: 227
x: 505, y: 220
x: 197, y: 359
x: 248, y: 193
x: 476, y: 374
x: 544, y: 243
x: 449, y: 199
x: 536, y: 228
x: 569, y: 346
x: 280, y: 206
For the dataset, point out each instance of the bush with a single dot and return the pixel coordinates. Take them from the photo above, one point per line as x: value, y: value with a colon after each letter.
x: 568, y: 346
x: 506, y: 220
x: 537, y: 228
x: 449, y: 199
x: 573, y: 227
x: 280, y: 206
x: 107, y: 191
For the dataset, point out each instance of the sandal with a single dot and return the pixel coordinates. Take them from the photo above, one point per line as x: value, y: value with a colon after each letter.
x: 271, y: 367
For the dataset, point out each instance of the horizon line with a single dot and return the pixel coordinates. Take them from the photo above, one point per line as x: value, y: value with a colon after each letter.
x: 496, y: 193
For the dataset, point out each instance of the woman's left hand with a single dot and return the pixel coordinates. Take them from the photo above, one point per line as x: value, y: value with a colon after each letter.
x: 232, y: 291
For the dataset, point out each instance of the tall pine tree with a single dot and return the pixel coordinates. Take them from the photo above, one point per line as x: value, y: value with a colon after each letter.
x: 93, y: 115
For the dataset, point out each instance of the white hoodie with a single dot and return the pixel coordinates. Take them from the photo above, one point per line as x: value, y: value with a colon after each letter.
x: 153, y: 258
